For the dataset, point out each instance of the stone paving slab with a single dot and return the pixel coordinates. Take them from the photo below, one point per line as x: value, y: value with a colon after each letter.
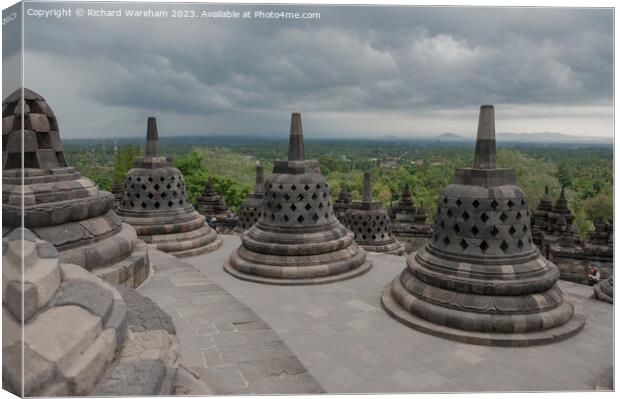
x: 224, y: 344
x: 350, y: 345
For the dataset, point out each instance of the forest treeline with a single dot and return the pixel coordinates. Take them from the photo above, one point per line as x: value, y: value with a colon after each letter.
x: 585, y: 172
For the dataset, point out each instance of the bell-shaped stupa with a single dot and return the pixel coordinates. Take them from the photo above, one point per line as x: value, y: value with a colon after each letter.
x: 480, y: 279
x: 59, y: 205
x: 212, y: 205
x: 546, y: 202
x: 561, y: 207
x: 404, y: 210
x: 540, y: 217
x: 409, y: 222
x: 155, y: 203
x: 298, y: 239
x: 370, y: 223
x: 252, y: 207
x: 342, y: 203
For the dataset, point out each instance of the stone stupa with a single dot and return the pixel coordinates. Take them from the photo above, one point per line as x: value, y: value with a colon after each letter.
x: 117, y: 191
x: 409, y: 222
x: 370, y: 223
x: 604, y: 290
x: 404, y: 210
x: 61, y: 206
x: 155, y: 203
x: 480, y: 279
x: 561, y: 208
x: 252, y: 207
x: 212, y: 205
x: 75, y: 334
x: 298, y: 239
x: 540, y: 217
x: 342, y: 203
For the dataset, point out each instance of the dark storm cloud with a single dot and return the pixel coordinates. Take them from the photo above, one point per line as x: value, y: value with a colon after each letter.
x: 352, y: 59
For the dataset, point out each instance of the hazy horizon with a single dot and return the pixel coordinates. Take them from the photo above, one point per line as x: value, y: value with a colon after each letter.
x: 359, y: 71
x: 283, y: 137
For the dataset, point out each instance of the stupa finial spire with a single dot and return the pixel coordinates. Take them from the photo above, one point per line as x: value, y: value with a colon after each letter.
x: 485, y: 139
x: 296, y: 139
x: 152, y: 138
x: 259, y: 182
x: 367, y: 189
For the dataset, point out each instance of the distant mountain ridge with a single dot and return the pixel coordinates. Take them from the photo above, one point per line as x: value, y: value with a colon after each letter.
x: 450, y: 137
x: 551, y: 137
x: 447, y: 138
x: 537, y: 137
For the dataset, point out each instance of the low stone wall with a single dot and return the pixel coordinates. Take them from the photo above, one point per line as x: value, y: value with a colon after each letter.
x: 575, y: 264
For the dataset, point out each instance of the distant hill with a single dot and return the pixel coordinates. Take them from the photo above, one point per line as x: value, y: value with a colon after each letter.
x: 550, y: 137
x: 444, y: 138
x: 530, y: 138
x: 450, y: 137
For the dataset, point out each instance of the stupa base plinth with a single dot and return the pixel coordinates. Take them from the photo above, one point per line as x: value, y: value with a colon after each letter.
x: 181, y: 244
x: 303, y: 278
x: 556, y: 334
x: 203, y: 249
x: 393, y: 248
x: 129, y: 272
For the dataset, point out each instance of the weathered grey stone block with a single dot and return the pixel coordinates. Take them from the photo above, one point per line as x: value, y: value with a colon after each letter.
x: 142, y: 377
x: 89, y: 296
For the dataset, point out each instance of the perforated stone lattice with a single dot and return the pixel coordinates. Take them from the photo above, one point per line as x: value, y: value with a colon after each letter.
x: 42, y: 147
x: 248, y: 216
x: 483, y: 226
x: 154, y: 192
x: 298, y: 204
x: 368, y: 227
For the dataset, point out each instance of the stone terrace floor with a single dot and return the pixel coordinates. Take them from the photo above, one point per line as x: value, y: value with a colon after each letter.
x: 225, y: 347
x: 350, y: 345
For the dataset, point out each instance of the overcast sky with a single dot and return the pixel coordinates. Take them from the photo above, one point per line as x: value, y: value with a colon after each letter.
x: 356, y: 72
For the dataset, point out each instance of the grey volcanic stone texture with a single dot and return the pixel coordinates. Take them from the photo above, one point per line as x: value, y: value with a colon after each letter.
x: 252, y: 208
x: 409, y: 222
x: 212, y: 205
x: 60, y: 206
x: 67, y: 343
x: 554, y: 233
x: 224, y: 344
x: 150, y: 358
x: 298, y: 239
x: 155, y: 204
x: 481, y: 273
x: 42, y: 147
x: 79, y: 332
x: 370, y: 223
x: 342, y: 203
x: 605, y: 290
x: 346, y: 341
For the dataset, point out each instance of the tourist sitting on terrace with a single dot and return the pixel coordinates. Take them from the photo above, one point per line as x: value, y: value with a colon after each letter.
x: 594, y: 276
x: 213, y: 223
